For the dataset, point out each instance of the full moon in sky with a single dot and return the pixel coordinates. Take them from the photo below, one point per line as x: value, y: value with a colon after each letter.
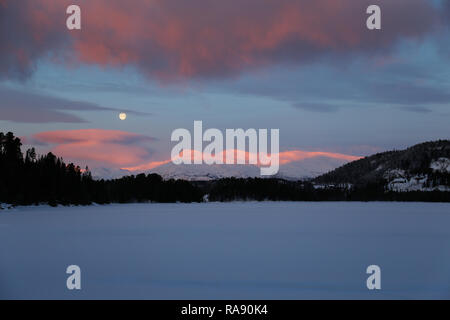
x: 122, y: 116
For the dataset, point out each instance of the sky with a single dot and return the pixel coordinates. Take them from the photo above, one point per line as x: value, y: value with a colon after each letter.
x: 309, y: 68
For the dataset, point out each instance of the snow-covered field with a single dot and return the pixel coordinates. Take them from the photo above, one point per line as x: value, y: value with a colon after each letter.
x: 227, y: 251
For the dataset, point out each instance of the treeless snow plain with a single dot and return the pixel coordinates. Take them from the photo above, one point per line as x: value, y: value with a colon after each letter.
x: 239, y: 250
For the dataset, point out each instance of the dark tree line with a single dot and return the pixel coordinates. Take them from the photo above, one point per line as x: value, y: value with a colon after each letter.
x: 143, y: 188
x: 231, y: 189
x: 33, y: 179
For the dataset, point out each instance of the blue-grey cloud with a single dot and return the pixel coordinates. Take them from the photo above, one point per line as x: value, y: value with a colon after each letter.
x: 416, y: 109
x: 420, y: 82
x: 316, y: 107
x: 26, y: 107
x: 408, y: 93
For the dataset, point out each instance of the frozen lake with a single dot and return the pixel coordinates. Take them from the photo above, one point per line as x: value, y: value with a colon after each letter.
x: 238, y: 250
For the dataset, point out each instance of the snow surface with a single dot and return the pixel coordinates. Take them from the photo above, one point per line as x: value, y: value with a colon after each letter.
x: 4, y: 206
x: 237, y: 250
x: 441, y: 164
x: 401, y: 181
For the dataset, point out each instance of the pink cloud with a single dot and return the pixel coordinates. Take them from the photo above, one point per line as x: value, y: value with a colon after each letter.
x: 173, y: 39
x: 147, y: 166
x: 107, y: 147
x: 285, y: 157
x: 298, y: 155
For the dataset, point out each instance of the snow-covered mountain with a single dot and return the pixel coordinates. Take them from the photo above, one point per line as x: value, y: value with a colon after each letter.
x: 423, y: 167
x: 302, y: 169
x: 108, y: 173
x: 307, y: 168
x: 204, y: 172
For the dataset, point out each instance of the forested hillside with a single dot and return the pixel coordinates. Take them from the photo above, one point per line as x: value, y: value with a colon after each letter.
x: 423, y: 167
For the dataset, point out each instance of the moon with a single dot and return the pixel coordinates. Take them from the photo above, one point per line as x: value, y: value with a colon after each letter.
x: 122, y: 116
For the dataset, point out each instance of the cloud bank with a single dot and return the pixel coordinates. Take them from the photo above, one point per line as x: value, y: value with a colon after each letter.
x: 177, y: 39
x: 285, y: 157
x: 130, y: 151
x: 111, y: 148
x: 28, y: 107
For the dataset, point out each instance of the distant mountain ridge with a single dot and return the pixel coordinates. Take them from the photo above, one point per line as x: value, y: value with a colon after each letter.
x: 296, y: 170
x: 423, y: 167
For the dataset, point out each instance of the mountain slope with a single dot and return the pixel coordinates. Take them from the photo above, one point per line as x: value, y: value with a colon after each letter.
x: 423, y: 167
